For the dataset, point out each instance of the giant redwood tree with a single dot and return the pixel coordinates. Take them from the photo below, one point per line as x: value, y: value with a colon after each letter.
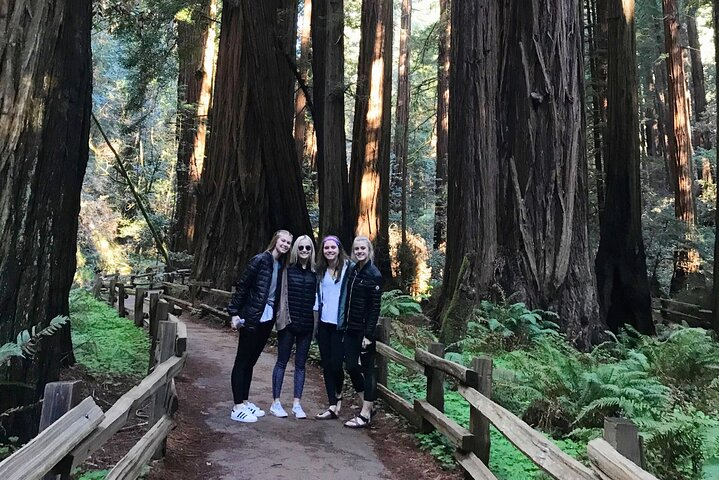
x: 472, y: 166
x: 543, y: 251
x: 370, y: 168
x: 440, y: 189
x: 251, y: 184
x: 686, y: 260
x: 45, y: 93
x: 329, y: 87
x: 196, y: 59
x: 621, y: 265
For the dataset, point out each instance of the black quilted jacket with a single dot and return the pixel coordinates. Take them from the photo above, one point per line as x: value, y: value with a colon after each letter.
x: 301, y: 293
x: 252, y: 289
x: 363, y: 299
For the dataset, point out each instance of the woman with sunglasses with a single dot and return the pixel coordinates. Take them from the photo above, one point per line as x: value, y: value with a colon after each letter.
x: 332, y: 267
x: 252, y: 307
x: 362, y: 313
x: 295, y: 322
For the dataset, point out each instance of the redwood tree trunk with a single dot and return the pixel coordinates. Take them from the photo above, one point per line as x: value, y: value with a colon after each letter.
x: 401, y: 135
x: 303, y: 64
x: 45, y: 93
x: 715, y: 287
x: 621, y: 265
x: 701, y: 135
x: 543, y: 240
x: 251, y: 184
x: 196, y: 56
x: 679, y: 143
x: 440, y: 190
x: 597, y: 17
x: 472, y: 169
x: 371, y: 133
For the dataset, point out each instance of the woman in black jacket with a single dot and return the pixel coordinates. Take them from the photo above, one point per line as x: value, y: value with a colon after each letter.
x: 361, y: 314
x: 295, y: 322
x: 252, y: 307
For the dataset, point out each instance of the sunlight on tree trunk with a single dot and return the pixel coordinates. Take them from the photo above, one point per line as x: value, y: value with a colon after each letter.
x: 440, y: 189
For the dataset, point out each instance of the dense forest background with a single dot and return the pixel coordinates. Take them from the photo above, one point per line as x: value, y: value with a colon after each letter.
x: 539, y: 175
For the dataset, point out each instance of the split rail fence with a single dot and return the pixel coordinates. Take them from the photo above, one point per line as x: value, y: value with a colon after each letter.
x: 616, y: 456
x: 72, y: 430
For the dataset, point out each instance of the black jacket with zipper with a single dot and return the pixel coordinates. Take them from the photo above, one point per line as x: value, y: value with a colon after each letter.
x: 301, y: 295
x: 364, y: 296
x: 252, y: 289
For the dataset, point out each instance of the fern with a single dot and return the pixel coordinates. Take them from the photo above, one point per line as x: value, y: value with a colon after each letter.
x: 27, y: 342
x: 396, y: 304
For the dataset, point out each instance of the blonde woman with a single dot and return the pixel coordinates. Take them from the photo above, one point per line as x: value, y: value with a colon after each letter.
x: 252, y: 307
x: 362, y: 313
x: 295, y: 327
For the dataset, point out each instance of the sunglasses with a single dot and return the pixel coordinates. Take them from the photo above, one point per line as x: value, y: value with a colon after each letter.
x: 302, y: 248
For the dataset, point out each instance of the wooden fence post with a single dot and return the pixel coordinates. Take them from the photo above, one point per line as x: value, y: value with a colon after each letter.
x: 140, y: 293
x: 478, y: 423
x: 194, y: 289
x: 167, y: 333
x: 111, y: 291
x: 153, y: 324
x: 121, y: 300
x: 382, y: 335
x: 59, y: 398
x: 435, y: 385
x: 97, y: 285
x: 623, y: 435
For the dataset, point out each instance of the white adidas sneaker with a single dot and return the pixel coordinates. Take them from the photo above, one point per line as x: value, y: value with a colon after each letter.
x: 255, y: 410
x: 243, y: 414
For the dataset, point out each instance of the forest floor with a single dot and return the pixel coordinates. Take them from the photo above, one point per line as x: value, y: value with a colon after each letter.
x: 206, y: 444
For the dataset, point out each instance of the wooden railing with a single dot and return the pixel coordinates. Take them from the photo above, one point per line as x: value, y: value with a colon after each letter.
x: 615, y: 457
x: 71, y: 431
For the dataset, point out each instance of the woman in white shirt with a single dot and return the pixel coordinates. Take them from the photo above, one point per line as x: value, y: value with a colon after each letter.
x: 332, y: 266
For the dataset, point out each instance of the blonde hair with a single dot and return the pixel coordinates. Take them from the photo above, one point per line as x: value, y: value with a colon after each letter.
x: 370, y: 248
x: 273, y: 243
x: 294, y: 257
x: 322, y: 264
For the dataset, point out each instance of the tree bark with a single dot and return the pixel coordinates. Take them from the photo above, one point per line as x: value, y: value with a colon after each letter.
x: 372, y: 129
x: 543, y: 239
x: 401, y: 129
x: 196, y: 59
x: 621, y: 265
x: 331, y: 159
x: 472, y: 166
x: 300, y: 131
x: 679, y: 143
x: 45, y: 93
x: 597, y: 19
x: 440, y: 190
x: 701, y: 135
x: 251, y: 184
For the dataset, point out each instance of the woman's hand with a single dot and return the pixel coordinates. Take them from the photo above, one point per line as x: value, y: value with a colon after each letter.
x: 236, y: 322
x: 366, y: 342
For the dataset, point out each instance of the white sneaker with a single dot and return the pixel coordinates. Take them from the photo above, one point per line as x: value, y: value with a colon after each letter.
x: 242, y: 415
x: 277, y: 410
x: 255, y: 410
x: 297, y: 410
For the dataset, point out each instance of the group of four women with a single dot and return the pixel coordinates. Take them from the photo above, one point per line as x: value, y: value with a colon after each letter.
x: 335, y: 298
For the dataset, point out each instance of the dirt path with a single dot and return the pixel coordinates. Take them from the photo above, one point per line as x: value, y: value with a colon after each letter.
x: 208, y: 445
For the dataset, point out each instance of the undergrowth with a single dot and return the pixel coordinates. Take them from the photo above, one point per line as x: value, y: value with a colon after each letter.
x: 666, y: 384
x: 105, y: 343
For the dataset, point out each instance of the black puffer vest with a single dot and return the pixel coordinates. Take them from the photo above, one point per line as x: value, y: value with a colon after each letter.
x: 252, y: 289
x: 364, y: 297
x: 301, y: 295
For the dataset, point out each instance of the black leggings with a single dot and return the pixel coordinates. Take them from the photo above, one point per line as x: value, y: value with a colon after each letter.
x: 364, y: 377
x: 249, y: 348
x: 329, y: 340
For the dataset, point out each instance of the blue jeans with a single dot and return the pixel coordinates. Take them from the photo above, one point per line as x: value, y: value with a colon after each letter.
x: 285, y: 339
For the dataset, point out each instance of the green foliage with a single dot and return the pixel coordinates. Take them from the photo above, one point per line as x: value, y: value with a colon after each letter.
x: 105, y: 343
x: 27, y: 342
x: 93, y: 475
x: 395, y: 304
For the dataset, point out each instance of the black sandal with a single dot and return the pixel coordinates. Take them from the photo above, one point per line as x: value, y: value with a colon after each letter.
x: 359, y: 421
x: 328, y: 414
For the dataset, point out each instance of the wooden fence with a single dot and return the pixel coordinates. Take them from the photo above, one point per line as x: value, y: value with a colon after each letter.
x: 72, y: 430
x: 616, y: 456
